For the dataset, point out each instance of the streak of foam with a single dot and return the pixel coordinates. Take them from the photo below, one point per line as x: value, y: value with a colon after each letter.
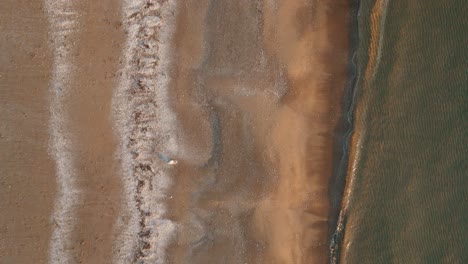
x: 63, y: 23
x: 144, y: 123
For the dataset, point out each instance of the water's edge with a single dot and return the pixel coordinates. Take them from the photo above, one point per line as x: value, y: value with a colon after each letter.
x: 341, y: 149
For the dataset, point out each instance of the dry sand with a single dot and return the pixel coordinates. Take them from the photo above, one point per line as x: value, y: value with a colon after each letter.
x: 180, y: 131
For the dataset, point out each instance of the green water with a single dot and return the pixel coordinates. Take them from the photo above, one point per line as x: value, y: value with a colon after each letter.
x: 409, y: 198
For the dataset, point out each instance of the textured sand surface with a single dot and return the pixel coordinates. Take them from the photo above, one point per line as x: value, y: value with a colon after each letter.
x: 171, y: 131
x: 27, y: 178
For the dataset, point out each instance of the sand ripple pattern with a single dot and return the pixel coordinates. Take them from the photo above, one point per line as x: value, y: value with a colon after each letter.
x: 143, y: 122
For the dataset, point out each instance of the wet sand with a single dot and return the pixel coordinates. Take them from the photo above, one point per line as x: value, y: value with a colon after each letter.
x: 266, y: 81
x: 27, y: 188
x: 34, y: 156
x: 89, y: 104
x: 85, y: 37
x: 172, y: 131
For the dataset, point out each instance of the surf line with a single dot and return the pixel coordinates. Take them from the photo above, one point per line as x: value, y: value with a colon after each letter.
x: 144, y: 125
x: 63, y: 26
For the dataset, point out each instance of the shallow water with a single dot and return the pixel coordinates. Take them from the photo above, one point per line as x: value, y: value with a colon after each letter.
x: 408, y: 198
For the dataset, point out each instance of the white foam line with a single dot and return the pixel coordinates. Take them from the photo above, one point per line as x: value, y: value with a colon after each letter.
x: 62, y: 24
x: 144, y: 123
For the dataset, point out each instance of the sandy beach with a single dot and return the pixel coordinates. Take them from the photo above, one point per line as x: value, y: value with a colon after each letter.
x: 170, y: 131
x: 27, y: 182
x: 271, y: 82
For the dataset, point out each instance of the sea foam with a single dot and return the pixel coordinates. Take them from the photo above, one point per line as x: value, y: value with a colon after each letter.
x: 63, y: 25
x: 144, y: 124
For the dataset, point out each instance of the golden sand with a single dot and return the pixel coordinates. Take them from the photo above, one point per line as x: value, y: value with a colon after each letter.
x: 182, y: 131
